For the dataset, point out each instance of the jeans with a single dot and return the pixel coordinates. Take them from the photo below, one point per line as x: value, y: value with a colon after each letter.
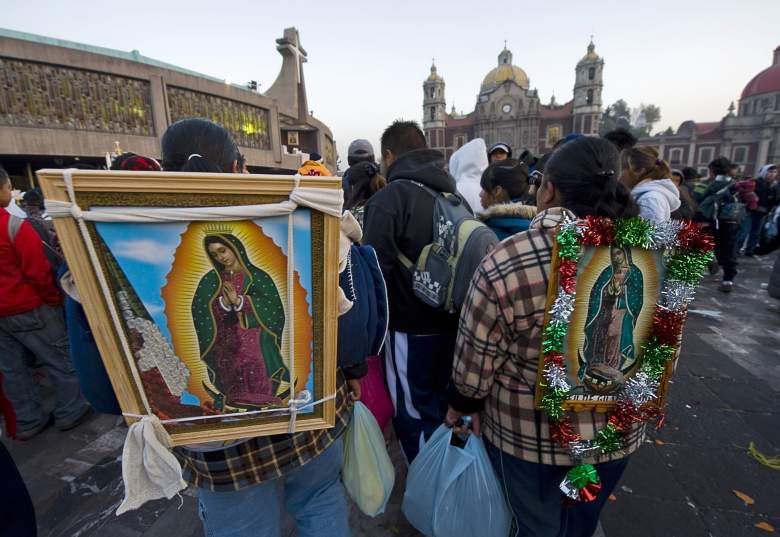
x: 17, y: 515
x: 418, y: 369
x: 313, y: 495
x: 41, y: 332
x: 537, y: 503
x: 756, y: 219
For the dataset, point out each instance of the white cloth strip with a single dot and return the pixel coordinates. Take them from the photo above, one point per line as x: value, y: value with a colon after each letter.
x: 281, y: 411
x: 326, y: 200
x: 93, y: 257
x: 293, y: 401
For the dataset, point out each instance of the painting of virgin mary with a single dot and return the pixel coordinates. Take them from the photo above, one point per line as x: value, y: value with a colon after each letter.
x: 239, y: 320
x: 614, y: 305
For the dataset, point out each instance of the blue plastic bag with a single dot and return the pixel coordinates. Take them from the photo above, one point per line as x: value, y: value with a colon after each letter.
x: 367, y: 473
x: 454, y: 491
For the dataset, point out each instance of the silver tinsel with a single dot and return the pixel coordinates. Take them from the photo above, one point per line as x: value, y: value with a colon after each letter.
x: 582, y: 449
x: 563, y: 307
x: 555, y: 375
x: 569, y: 490
x: 640, y: 389
x: 664, y: 235
x: 676, y: 295
x: 571, y: 224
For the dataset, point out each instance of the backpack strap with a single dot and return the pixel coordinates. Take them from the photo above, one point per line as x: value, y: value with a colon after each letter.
x: 14, y: 225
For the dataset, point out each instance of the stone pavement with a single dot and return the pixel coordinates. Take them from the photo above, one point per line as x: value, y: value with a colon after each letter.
x: 724, y: 396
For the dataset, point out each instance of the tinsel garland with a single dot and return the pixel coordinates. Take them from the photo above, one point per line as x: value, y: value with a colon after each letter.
x: 690, y: 253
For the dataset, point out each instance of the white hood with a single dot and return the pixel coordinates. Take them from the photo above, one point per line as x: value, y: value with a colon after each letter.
x: 762, y: 173
x: 657, y: 199
x: 466, y: 166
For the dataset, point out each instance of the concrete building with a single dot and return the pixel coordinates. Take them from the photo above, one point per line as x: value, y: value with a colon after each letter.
x: 64, y: 104
x: 749, y: 134
x: 508, y: 110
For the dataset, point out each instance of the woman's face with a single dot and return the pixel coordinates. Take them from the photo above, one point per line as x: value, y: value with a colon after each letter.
x: 619, y: 264
x: 222, y: 254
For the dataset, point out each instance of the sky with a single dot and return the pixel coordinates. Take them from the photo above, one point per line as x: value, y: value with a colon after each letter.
x: 367, y: 60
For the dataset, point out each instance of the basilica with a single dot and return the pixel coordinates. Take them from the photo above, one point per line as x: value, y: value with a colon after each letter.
x: 508, y: 110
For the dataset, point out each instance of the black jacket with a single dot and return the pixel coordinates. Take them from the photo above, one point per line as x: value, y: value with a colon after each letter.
x: 400, y: 218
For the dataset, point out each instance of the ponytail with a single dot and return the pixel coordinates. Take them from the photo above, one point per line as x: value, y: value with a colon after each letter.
x: 645, y: 163
x: 364, y: 181
x: 198, y: 164
x: 200, y: 146
x: 585, y: 172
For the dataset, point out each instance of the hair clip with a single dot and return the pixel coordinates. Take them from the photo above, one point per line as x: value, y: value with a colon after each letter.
x: 658, y: 162
x: 606, y: 173
x: 194, y: 155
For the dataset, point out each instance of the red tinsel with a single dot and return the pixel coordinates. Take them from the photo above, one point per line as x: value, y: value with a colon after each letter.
x: 693, y: 237
x: 553, y: 358
x: 625, y: 415
x: 568, y: 275
x: 598, y: 231
x: 667, y: 325
x: 563, y: 433
x: 590, y: 492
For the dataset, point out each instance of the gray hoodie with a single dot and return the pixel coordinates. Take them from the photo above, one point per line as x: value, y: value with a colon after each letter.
x: 656, y: 199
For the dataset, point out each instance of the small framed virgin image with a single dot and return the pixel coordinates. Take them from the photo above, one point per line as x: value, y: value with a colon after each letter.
x: 617, y: 301
x: 211, y: 297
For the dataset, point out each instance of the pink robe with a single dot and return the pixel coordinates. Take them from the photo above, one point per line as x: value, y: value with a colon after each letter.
x: 240, y: 366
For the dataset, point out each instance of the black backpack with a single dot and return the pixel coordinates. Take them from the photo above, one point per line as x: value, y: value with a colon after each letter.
x: 441, y: 275
x: 52, y: 255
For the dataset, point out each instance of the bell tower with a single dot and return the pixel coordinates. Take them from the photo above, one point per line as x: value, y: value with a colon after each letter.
x: 588, y: 84
x: 434, y: 109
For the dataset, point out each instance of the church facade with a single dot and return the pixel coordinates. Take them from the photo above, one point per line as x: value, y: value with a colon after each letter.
x: 748, y: 135
x: 508, y: 110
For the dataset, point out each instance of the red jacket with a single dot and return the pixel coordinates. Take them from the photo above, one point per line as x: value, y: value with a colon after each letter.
x: 26, y: 280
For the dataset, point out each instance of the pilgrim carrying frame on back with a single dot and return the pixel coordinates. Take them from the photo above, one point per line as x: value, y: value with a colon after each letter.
x: 207, y: 343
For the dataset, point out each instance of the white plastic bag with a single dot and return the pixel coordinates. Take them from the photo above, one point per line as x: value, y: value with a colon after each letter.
x: 454, y: 491
x: 368, y: 473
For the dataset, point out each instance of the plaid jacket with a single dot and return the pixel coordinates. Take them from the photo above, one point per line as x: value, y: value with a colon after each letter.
x: 498, y: 348
x: 263, y: 458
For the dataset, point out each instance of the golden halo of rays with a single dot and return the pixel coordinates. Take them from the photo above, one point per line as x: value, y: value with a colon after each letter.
x: 587, y: 274
x: 191, y: 263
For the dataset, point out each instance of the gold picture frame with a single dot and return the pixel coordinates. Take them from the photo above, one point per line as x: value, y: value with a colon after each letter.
x: 176, y: 312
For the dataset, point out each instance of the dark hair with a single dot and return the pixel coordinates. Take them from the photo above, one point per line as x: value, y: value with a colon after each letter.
x: 622, y: 138
x: 585, y: 172
x: 216, y: 239
x: 720, y: 166
x: 4, y: 177
x: 33, y: 198
x: 690, y: 174
x: 199, y: 145
x: 510, y: 174
x: 361, y: 158
x: 402, y: 137
x: 364, y: 181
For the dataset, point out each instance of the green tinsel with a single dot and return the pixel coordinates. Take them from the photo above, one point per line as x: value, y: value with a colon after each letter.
x: 634, y: 231
x: 655, y: 357
x: 568, y: 244
x: 688, y: 266
x: 582, y: 475
x: 608, y: 439
x: 552, y: 403
x: 553, y: 336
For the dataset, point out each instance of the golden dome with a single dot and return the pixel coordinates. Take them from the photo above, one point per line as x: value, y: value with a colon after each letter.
x: 591, y: 55
x: 434, y: 76
x: 505, y: 72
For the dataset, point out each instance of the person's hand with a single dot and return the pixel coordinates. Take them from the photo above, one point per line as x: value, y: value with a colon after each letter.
x: 452, y: 417
x: 354, y: 389
x: 230, y: 293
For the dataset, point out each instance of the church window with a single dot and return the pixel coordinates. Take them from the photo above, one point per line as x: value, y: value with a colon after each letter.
x: 745, y: 110
x: 740, y: 154
x: 433, y: 92
x: 705, y: 154
x: 460, y: 140
x: 553, y: 134
x: 777, y: 102
x: 590, y: 97
x: 675, y: 155
x: 433, y: 113
x: 591, y: 73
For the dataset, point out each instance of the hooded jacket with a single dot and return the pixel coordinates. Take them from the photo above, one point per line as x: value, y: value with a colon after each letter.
x: 466, y: 166
x: 506, y: 219
x: 399, y: 218
x: 657, y: 198
x: 767, y: 194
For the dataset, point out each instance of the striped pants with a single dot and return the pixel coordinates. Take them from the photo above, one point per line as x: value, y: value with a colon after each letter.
x: 418, y: 368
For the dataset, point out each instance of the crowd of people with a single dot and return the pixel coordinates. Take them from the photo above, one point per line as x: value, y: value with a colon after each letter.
x: 465, y: 346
